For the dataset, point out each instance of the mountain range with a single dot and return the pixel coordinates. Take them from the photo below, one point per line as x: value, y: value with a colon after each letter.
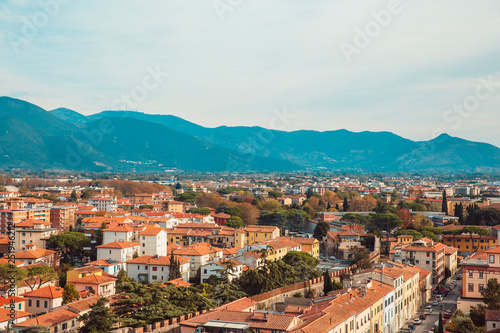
x: 63, y: 139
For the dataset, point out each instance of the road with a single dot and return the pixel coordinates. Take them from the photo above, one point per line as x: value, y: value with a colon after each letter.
x: 448, y: 303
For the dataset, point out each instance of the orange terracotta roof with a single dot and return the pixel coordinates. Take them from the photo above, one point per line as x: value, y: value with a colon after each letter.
x: 151, y: 232
x: 49, y: 319
x: 119, y: 245
x: 94, y: 279
x: 45, y: 292
x: 5, y: 315
x: 178, y: 283
x: 33, y: 254
x: 160, y: 261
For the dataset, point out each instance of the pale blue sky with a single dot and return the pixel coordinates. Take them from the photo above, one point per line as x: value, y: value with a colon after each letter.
x: 261, y: 56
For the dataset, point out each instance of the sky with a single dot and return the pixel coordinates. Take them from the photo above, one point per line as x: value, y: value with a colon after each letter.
x: 414, y: 68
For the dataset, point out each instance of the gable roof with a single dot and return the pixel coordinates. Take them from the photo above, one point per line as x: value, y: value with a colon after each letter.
x: 119, y: 245
x: 49, y: 319
x: 45, y: 292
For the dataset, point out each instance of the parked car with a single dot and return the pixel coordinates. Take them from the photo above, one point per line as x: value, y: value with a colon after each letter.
x: 422, y: 316
x: 447, y: 314
x: 435, y: 302
x: 428, y: 310
x: 459, y: 277
x: 417, y: 321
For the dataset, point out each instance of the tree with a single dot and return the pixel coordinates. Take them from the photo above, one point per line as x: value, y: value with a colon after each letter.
x: 487, y: 216
x: 188, y: 196
x: 71, y: 243
x: 297, y: 222
x: 235, y: 222
x: 310, y: 192
x: 291, y: 257
x: 477, y: 314
x: 405, y: 215
x: 175, y: 267
x: 491, y: 294
x: 410, y: 232
x: 200, y: 211
x: 88, y: 193
x: 327, y: 283
x: 227, y: 292
x: 440, y: 328
x: 274, y: 219
x: 444, y: 203
x: 430, y: 235
x: 37, y: 276
x: 361, y: 258
x: 70, y: 293
x: 99, y: 320
x: 146, y: 207
x: 122, y: 276
x: 275, y: 194
x: 346, y: 204
x: 387, y: 222
x: 74, y: 196
x: 459, y: 212
x: 321, y: 230
x: 3, y: 188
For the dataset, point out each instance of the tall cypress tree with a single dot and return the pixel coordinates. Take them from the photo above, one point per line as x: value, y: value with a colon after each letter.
x: 327, y: 283
x: 440, y: 328
x: 175, y: 269
x: 444, y: 206
x: 346, y: 204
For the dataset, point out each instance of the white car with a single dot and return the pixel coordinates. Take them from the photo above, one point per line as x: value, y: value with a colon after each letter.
x: 417, y: 321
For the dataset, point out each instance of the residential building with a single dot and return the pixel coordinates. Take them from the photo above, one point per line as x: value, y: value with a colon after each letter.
x: 234, y: 269
x: 63, y: 217
x: 59, y: 321
x: 153, y: 241
x: 7, y: 318
x: 108, y: 204
x: 109, y: 266
x: 98, y: 284
x: 199, y: 255
x: 32, y: 231
x: 43, y: 300
x: 423, y: 253
x: 156, y: 268
x: 120, y: 250
x: 255, y: 234
x: 33, y: 255
x: 309, y: 245
x: 118, y: 233
x: 467, y: 244
x: 451, y: 260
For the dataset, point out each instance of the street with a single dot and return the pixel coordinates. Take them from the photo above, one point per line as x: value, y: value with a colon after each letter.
x: 448, y: 303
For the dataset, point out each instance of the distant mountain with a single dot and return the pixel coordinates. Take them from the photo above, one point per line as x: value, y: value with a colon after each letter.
x: 340, y: 149
x: 70, y: 116
x: 32, y: 138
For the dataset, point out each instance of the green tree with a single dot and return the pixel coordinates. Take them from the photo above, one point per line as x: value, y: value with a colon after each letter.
x: 226, y: 292
x: 200, y: 211
x: 275, y: 194
x: 327, y: 283
x: 346, y: 204
x: 189, y: 196
x: 387, y: 222
x: 459, y: 212
x: 487, y: 217
x: 146, y: 207
x: 440, y: 328
x: 361, y: 258
x: 410, y: 232
x: 88, y: 193
x: 70, y: 293
x: 297, y: 222
x: 321, y: 230
x: 444, y: 203
x: 99, y: 320
x: 430, y: 235
x: 122, y: 276
x: 477, y: 314
x: 74, y: 196
x: 70, y: 243
x: 37, y: 276
x: 491, y: 294
x: 235, y: 222
x: 273, y: 219
x: 175, y: 267
x: 291, y: 257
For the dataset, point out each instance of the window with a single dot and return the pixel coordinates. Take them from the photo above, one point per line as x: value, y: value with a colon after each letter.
x: 427, y: 262
x: 480, y: 275
x: 471, y: 274
x: 145, y: 267
x: 155, y: 269
x: 37, y: 303
x: 481, y: 287
x: 155, y: 277
x: 471, y: 287
x: 492, y: 259
x: 64, y: 326
x: 428, y: 254
x: 109, y: 251
x: 29, y: 302
x: 204, y: 271
x: 143, y: 245
x: 45, y: 304
x: 73, y: 323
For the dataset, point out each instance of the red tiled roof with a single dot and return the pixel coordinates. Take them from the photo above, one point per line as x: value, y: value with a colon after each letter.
x: 45, y: 292
x: 49, y: 319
